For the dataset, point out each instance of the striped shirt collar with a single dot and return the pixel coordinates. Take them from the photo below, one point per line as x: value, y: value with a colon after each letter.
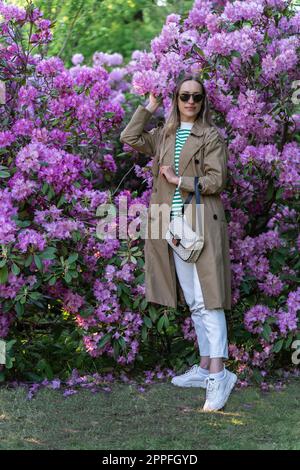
x: 186, y: 125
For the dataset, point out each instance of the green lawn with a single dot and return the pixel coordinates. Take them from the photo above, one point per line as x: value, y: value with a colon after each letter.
x: 163, y: 418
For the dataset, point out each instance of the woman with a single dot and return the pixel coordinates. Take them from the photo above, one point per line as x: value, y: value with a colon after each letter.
x: 189, y: 145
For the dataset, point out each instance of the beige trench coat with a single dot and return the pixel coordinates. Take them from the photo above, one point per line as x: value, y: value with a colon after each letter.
x: 204, y: 154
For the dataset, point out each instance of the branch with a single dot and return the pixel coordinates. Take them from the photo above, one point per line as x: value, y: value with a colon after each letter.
x: 70, y: 30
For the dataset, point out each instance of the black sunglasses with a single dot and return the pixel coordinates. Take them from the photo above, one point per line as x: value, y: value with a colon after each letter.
x: 197, y: 97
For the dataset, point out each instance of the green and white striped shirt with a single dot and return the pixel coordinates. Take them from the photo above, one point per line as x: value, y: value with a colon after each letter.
x: 182, y: 134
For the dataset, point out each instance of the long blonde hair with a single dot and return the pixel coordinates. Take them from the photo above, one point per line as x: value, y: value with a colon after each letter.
x: 173, y: 119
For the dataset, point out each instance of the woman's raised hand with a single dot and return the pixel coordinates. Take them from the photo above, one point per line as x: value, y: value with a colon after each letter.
x: 154, y: 103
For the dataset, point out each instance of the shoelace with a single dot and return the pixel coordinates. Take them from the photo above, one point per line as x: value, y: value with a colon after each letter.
x: 192, y: 369
x: 211, y: 388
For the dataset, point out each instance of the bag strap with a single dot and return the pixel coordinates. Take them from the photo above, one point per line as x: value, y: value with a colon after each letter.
x: 189, y: 198
x: 191, y: 194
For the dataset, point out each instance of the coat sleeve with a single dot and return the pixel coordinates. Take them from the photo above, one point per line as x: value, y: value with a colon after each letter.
x: 215, y: 166
x: 135, y: 135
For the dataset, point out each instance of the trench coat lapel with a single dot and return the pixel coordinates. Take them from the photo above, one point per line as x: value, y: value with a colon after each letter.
x: 168, y: 150
x: 191, y: 146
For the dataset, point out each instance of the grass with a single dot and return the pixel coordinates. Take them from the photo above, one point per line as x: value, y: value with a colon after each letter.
x: 163, y: 418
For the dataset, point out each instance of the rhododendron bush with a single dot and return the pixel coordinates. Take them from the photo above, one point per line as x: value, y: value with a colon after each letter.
x: 57, y: 278
x: 69, y: 299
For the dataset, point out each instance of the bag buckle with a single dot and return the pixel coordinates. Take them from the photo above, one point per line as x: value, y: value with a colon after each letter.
x: 176, y: 241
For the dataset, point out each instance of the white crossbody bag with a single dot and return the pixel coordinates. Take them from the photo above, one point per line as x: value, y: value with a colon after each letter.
x: 180, y: 235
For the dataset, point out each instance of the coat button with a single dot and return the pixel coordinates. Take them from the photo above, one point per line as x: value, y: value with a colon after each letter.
x: 215, y: 216
x: 196, y: 160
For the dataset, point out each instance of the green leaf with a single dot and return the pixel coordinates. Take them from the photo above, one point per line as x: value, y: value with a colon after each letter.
x: 52, y: 281
x: 257, y: 376
x: 35, y: 295
x: 73, y: 257
x: 119, y: 290
x: 153, y: 313
x: 198, y: 50
x: 279, y: 193
x: 277, y: 346
x: 266, y: 332
x: 15, y: 269
x: 23, y: 223
x: 140, y: 279
x: 50, y: 193
x: 9, y: 362
x: 44, y: 366
x: 109, y: 115
x: 19, y: 308
x: 122, y: 154
x: 116, y: 347
x: 147, y: 321
x: 255, y: 58
x: 45, y: 188
x: 87, y: 311
x: 122, y: 343
x: 62, y: 200
x: 126, y: 300
x: 48, y: 253
x: 106, y: 338
x: 236, y: 53
x: 3, y: 274
x: 280, y: 257
x: 10, y: 344
x: 144, y: 333
x: 38, y: 262
x: 160, y: 323
x: 76, y: 236
x: 288, y: 341
x: 245, y: 287
x: 28, y: 261
x: 257, y: 72
x: 125, y: 289
x: 68, y: 277
x: 270, y: 192
x: 4, y: 174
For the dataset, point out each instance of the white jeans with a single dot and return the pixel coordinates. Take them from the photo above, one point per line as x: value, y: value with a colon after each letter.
x: 210, y: 325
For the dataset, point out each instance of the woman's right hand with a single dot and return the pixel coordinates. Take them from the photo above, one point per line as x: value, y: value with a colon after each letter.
x: 153, y: 104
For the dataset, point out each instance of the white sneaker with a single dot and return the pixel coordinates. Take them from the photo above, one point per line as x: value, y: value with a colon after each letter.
x: 191, y: 378
x: 218, y: 391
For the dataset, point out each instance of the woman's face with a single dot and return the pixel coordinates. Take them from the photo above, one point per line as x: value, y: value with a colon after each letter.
x: 189, y: 109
